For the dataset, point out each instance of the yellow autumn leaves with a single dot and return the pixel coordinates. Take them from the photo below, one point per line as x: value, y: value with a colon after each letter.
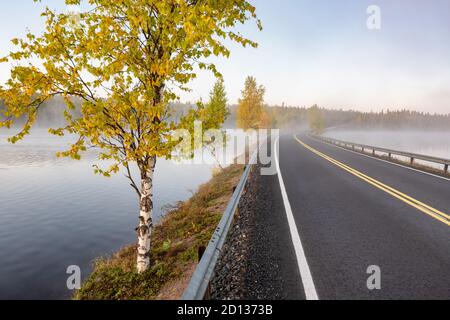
x: 251, y: 113
x: 121, y: 66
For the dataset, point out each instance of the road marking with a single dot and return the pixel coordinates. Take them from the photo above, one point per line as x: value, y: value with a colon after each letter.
x: 305, y: 272
x: 432, y: 212
x: 382, y: 160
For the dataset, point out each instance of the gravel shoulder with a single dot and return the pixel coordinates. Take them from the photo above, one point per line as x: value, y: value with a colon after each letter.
x: 258, y: 259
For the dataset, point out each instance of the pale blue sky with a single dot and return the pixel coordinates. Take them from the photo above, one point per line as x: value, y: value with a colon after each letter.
x: 317, y: 51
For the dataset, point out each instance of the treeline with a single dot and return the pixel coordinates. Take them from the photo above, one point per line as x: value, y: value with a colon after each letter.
x: 283, y: 116
x: 52, y: 114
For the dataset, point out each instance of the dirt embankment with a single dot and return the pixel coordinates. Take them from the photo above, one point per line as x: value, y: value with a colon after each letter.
x: 175, y: 244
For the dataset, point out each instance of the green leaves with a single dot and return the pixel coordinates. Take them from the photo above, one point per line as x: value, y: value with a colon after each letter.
x: 217, y: 111
x: 120, y: 63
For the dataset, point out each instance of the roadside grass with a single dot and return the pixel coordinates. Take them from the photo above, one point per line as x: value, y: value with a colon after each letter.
x: 175, y: 242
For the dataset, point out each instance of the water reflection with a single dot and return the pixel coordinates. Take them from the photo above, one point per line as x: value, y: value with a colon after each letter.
x: 56, y: 212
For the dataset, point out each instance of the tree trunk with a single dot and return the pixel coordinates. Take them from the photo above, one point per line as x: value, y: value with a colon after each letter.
x: 145, y: 218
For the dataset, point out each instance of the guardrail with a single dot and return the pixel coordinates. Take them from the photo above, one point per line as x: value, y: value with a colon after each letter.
x: 363, y: 148
x: 198, y: 288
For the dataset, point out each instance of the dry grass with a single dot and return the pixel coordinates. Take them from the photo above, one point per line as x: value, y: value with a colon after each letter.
x: 176, y: 240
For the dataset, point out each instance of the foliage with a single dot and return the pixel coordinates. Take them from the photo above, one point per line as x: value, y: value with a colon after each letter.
x: 315, y: 119
x: 175, y: 250
x: 297, y: 117
x: 124, y: 60
x: 251, y: 112
x: 217, y: 104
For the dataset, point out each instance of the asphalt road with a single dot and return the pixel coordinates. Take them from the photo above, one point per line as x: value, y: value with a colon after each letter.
x: 346, y: 225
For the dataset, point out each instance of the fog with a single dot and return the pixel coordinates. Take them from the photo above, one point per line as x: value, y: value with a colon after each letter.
x: 74, y: 216
x: 430, y: 143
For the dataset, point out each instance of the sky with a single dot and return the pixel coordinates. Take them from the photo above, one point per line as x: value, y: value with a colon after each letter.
x: 319, y: 52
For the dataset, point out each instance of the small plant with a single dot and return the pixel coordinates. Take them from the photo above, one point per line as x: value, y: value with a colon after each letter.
x: 167, y: 245
x: 176, y: 240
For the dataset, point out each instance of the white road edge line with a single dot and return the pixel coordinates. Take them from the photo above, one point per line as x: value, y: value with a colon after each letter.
x: 305, y: 273
x: 382, y: 160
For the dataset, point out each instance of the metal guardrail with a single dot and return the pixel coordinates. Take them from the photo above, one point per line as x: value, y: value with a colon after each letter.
x: 199, y: 284
x: 362, y: 148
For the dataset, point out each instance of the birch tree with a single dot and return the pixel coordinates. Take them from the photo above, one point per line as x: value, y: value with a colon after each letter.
x: 125, y: 60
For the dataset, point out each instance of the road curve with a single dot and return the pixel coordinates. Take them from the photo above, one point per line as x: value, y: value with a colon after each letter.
x: 347, y: 224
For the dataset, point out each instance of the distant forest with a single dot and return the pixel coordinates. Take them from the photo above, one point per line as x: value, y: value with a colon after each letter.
x: 349, y: 119
x: 295, y: 117
x: 52, y: 114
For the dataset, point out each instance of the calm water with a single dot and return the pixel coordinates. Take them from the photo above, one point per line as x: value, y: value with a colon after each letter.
x: 428, y: 143
x: 56, y: 212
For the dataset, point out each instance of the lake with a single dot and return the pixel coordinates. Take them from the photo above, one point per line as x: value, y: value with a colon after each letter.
x: 56, y: 212
x: 428, y: 143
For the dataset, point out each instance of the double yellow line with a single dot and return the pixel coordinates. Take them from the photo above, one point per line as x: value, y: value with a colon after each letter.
x: 432, y: 212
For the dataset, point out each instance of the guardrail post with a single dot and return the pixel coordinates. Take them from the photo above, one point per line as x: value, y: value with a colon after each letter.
x: 199, y: 287
x: 201, y: 252
x: 207, y: 293
x: 376, y: 151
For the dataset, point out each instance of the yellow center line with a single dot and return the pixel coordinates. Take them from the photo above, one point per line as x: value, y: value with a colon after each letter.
x: 432, y: 212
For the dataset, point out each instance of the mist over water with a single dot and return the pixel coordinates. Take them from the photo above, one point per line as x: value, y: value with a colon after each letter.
x: 57, y: 212
x: 423, y: 142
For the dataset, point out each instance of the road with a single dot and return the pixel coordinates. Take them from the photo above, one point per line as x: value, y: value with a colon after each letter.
x: 346, y: 222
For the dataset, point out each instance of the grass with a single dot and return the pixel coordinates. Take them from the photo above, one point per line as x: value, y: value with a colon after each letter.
x: 175, y: 244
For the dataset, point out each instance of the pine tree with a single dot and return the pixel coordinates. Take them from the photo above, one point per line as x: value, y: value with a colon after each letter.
x: 124, y: 60
x: 217, y: 105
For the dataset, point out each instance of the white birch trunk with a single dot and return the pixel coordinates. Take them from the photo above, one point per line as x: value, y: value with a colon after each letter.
x: 145, y: 220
